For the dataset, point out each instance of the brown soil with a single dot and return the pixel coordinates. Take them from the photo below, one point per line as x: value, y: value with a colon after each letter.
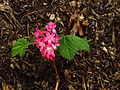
x: 98, y: 69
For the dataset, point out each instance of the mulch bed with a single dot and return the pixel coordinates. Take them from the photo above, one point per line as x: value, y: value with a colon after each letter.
x: 97, y: 69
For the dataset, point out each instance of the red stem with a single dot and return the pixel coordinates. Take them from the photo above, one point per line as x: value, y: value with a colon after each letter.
x: 57, y: 76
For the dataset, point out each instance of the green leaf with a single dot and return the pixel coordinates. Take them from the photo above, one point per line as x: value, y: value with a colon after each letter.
x: 43, y: 28
x: 70, y: 44
x: 80, y: 43
x: 20, y: 47
x: 31, y: 41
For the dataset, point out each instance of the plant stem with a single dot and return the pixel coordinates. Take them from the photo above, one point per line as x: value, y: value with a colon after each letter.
x: 57, y: 76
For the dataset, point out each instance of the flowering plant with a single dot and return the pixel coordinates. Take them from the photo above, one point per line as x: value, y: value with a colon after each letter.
x: 47, y: 41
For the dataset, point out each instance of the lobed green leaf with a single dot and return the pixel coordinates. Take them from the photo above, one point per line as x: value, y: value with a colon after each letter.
x: 20, y: 47
x: 70, y: 44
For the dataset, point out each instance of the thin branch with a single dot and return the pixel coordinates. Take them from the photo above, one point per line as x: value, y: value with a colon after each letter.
x: 57, y: 76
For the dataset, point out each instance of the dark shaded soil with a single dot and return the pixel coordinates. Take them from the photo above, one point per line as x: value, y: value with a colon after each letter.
x: 98, y: 69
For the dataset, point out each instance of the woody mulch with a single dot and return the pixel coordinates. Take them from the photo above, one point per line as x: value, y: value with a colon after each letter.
x: 96, y: 20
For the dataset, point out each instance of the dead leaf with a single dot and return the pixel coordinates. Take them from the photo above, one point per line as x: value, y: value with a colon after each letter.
x: 74, y: 29
x: 6, y: 87
x: 85, y: 22
x: 89, y: 72
x: 103, y: 89
x: 79, y: 28
x: 118, y: 65
x: 97, y: 61
x: 77, y: 20
x: 58, y: 19
x: 67, y: 74
x: 70, y: 87
x: 113, y: 37
x: 13, y: 42
x: 73, y: 19
x: 80, y: 17
x: 72, y: 3
x: 105, y: 49
x: 52, y: 16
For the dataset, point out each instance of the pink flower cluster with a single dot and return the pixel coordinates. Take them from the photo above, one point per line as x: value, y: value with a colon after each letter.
x: 47, y: 41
